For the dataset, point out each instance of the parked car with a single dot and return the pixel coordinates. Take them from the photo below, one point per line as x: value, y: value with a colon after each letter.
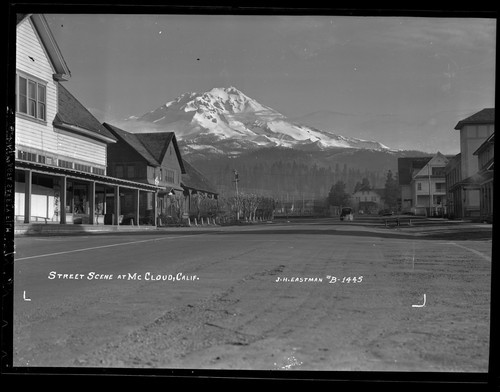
x: 386, y: 212
x: 346, y: 214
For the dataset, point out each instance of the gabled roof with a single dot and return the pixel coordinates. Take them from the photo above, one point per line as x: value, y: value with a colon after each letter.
x: 195, y: 180
x: 157, y: 144
x: 132, y: 140
x: 406, y: 167
x: 151, y: 146
x: 74, y: 117
x: 432, y: 162
x: 48, y: 41
x: 485, y: 116
x: 476, y: 179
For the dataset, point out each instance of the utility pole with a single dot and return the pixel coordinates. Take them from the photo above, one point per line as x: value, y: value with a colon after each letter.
x: 236, y: 179
x: 430, y: 191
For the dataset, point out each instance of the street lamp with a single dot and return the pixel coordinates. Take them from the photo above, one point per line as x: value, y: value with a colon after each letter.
x: 236, y: 179
x: 170, y: 194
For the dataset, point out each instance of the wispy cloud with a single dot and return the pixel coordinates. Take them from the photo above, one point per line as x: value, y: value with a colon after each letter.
x: 306, y: 36
x: 467, y: 34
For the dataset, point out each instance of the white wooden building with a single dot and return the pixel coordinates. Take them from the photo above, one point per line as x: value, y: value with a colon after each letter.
x: 60, y: 147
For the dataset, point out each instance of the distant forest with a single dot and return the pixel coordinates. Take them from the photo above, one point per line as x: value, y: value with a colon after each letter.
x: 284, y: 177
x: 284, y: 172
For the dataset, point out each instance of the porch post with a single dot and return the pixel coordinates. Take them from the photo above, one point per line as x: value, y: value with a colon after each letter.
x: 104, y: 202
x: 117, y: 205
x: 62, y: 198
x: 92, y: 217
x: 155, y: 200
x: 28, y: 176
x: 137, y: 206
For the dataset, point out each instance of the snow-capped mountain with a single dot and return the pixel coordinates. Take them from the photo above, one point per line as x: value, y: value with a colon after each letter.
x: 224, y: 120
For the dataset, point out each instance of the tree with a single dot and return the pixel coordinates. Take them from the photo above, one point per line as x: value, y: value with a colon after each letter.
x: 338, y: 195
x: 363, y: 184
x: 391, y: 191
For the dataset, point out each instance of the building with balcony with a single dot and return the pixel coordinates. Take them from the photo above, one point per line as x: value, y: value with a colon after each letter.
x: 463, y: 183
x: 423, y: 185
x: 486, y: 159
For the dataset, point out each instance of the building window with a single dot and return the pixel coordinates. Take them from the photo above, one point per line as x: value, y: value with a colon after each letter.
x: 419, y: 186
x: 440, y: 187
x: 84, y: 168
x: 119, y: 171
x: 438, y: 171
x: 26, y: 156
x: 31, y: 98
x: 65, y: 164
x: 374, y: 198
x: 130, y: 171
x: 170, y: 176
x: 97, y: 170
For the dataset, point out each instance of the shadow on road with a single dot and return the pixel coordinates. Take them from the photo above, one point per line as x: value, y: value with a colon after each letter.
x: 444, y: 234
x: 457, y: 235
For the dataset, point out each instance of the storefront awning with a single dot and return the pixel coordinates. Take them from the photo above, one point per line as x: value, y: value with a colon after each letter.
x: 476, y: 180
x: 75, y: 174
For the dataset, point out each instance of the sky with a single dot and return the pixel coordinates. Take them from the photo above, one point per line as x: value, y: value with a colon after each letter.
x: 402, y: 81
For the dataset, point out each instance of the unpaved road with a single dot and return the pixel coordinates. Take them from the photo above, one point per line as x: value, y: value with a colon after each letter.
x: 420, y: 301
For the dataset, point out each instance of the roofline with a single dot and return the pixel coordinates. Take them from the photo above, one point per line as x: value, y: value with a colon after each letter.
x: 178, y: 152
x: 50, y: 44
x: 117, y: 133
x: 198, y: 189
x: 483, y: 144
x: 467, y: 121
x: 56, y: 170
x: 82, y: 131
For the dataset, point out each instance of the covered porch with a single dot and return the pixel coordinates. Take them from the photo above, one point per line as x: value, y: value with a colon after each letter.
x: 47, y: 194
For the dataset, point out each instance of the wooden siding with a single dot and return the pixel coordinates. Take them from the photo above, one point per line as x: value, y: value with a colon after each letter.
x: 470, y: 142
x: 39, y: 134
x: 171, y: 162
x: 33, y: 132
x: 81, y: 148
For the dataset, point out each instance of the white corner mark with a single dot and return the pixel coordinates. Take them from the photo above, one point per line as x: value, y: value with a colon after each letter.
x: 24, y: 296
x: 419, y: 306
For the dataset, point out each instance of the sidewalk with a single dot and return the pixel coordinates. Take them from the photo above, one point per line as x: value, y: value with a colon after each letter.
x: 76, y: 229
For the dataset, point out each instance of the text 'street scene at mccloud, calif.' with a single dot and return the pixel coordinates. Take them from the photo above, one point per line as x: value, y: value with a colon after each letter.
x: 284, y: 192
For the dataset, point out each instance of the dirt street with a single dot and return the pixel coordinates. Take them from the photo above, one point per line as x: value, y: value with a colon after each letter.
x: 290, y: 297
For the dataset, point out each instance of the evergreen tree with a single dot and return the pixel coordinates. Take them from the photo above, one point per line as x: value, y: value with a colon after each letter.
x: 391, y: 192
x: 338, y: 195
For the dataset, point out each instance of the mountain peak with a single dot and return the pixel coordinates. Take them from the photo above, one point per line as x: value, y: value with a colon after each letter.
x: 225, y: 114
